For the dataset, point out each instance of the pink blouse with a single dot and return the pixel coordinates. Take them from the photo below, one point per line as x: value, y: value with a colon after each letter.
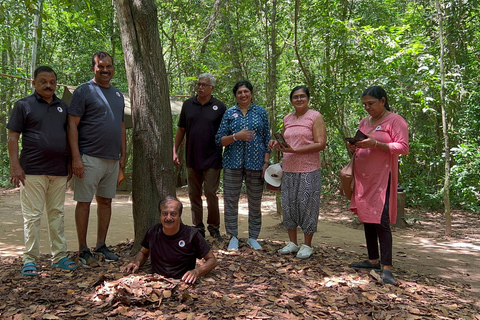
x: 298, y: 133
x: 373, y: 166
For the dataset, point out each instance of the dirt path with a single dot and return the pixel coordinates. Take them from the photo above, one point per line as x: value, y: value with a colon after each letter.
x: 419, y: 248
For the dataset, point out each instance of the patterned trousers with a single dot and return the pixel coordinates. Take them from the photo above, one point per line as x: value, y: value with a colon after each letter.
x: 301, y: 200
x: 232, y: 186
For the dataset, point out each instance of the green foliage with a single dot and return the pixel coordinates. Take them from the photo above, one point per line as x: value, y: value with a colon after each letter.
x: 465, y: 183
x: 4, y: 170
x: 342, y: 47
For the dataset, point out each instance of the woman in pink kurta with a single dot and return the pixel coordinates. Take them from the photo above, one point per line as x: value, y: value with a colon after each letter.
x: 374, y: 198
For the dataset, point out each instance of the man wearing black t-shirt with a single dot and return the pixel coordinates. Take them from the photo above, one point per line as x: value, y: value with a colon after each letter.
x: 41, y: 170
x: 97, y: 136
x: 173, y: 247
x: 199, y: 121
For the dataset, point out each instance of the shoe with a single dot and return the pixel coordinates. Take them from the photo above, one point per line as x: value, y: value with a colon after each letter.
x: 106, y: 253
x: 387, y: 277
x: 289, y: 248
x: 304, y: 252
x: 366, y: 265
x: 254, y: 244
x: 216, y: 235
x: 233, y: 244
x: 87, y: 259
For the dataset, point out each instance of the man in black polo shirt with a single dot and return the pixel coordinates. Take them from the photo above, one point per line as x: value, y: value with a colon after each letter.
x: 173, y: 247
x: 199, y: 121
x: 41, y: 171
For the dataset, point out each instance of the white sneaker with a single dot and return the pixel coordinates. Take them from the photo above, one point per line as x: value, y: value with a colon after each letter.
x: 254, y: 244
x: 289, y: 248
x: 304, y: 252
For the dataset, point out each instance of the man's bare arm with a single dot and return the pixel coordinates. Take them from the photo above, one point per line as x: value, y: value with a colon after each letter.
x: 192, y: 275
x: 17, y: 174
x: 140, y: 260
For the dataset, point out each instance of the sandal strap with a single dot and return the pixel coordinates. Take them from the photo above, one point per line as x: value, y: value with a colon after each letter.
x: 65, y: 263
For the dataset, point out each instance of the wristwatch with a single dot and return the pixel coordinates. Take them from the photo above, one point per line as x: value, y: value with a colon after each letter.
x: 267, y: 162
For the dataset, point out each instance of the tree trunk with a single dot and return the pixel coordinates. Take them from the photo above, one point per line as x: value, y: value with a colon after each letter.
x: 234, y: 47
x: 271, y: 89
x: 212, y: 23
x: 3, y: 108
x: 153, y: 174
x: 305, y: 71
x: 37, y: 36
x: 446, y: 184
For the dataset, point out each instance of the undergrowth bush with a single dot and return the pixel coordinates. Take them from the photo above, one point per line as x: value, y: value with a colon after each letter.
x: 465, y: 180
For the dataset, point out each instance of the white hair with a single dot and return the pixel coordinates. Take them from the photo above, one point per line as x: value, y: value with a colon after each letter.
x: 209, y: 76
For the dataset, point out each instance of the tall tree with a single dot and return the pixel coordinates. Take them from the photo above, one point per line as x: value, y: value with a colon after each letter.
x: 153, y: 176
x: 446, y: 183
x: 272, y: 54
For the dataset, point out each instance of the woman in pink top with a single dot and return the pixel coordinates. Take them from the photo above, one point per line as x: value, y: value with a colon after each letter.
x: 305, y: 135
x: 374, y: 198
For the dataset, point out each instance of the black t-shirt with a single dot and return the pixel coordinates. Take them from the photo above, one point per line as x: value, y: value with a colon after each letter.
x: 100, y: 126
x: 172, y: 256
x: 201, y: 123
x: 44, y: 137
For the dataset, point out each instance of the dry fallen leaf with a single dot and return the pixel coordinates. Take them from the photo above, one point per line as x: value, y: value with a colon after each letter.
x: 167, y: 293
x: 263, y: 285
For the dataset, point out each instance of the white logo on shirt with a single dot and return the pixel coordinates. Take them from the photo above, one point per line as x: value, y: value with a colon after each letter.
x: 235, y: 115
x: 378, y: 128
x: 215, y: 107
x: 59, y: 109
x: 118, y: 94
x: 181, y: 243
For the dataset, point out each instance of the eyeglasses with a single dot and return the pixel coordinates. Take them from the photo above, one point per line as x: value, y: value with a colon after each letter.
x: 172, y: 214
x: 299, y: 97
x: 199, y: 84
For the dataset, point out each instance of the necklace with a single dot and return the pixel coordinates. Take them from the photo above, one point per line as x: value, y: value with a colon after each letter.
x: 299, y: 116
x: 371, y: 120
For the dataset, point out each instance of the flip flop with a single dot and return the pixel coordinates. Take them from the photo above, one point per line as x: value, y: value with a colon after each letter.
x: 65, y: 264
x: 29, y: 266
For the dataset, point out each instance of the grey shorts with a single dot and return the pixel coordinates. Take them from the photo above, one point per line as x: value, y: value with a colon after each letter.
x: 100, y: 178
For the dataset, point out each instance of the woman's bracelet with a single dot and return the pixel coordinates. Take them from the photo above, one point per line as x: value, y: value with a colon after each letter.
x: 234, y: 137
x: 375, y: 143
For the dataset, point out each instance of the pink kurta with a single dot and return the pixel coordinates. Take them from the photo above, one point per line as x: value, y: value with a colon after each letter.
x: 372, y: 167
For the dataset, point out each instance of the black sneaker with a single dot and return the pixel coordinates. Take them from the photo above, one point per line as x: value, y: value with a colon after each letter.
x: 366, y: 265
x: 216, y: 235
x: 87, y: 259
x: 106, y: 253
x: 387, y: 277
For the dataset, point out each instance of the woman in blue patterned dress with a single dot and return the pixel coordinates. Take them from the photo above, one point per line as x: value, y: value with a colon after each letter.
x: 245, y: 133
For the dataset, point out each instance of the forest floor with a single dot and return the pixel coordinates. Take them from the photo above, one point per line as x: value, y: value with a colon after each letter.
x: 437, y: 277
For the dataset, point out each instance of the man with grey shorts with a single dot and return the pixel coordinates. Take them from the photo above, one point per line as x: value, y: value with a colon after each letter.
x: 97, y: 136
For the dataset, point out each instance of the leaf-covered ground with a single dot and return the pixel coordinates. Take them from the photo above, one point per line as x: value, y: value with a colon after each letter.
x: 245, y: 285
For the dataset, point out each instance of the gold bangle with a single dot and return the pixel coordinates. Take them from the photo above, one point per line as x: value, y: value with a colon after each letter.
x: 234, y: 137
x: 375, y: 143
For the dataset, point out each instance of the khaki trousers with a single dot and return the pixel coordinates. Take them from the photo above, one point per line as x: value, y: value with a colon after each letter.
x: 42, y: 192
